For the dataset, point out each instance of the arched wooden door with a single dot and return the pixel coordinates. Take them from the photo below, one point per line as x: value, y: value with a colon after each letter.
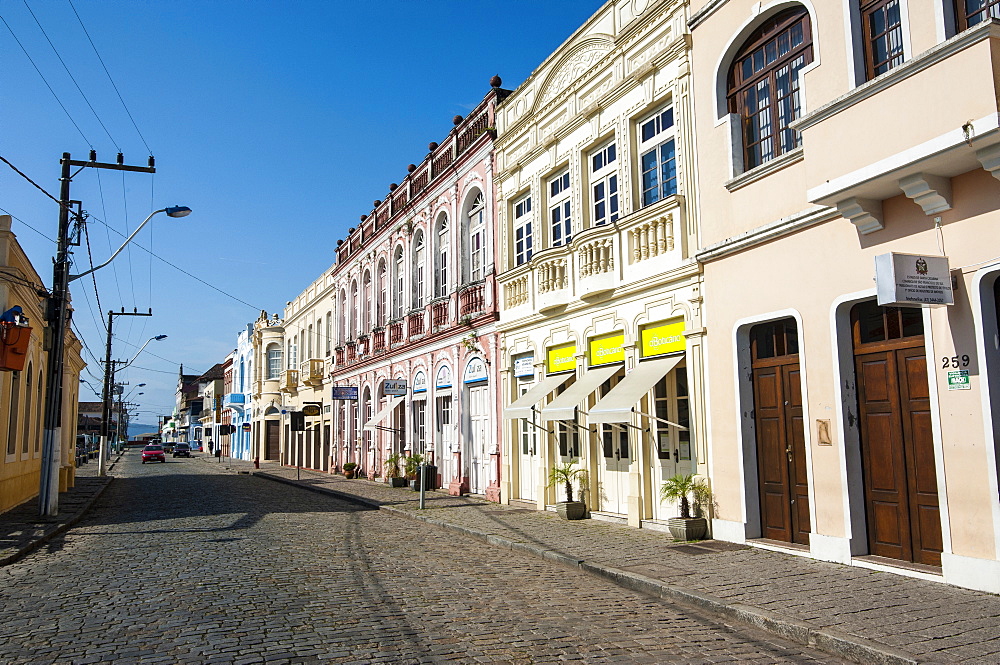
x: 897, y: 446
x: 782, y: 474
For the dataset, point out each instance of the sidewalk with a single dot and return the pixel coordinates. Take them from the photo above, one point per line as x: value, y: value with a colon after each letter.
x: 859, y: 614
x: 23, y: 530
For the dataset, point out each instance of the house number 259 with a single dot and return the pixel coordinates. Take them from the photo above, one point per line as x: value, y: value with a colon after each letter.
x: 955, y: 361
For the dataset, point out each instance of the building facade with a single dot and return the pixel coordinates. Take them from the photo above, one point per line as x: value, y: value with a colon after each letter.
x: 849, y: 419
x: 23, y: 362
x: 394, y: 342
x: 238, y: 399
x: 601, y: 296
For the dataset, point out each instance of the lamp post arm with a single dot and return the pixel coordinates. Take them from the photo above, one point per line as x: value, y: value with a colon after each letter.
x: 119, y: 250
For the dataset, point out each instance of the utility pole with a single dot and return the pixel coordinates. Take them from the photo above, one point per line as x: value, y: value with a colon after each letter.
x: 58, y: 318
x: 109, y: 380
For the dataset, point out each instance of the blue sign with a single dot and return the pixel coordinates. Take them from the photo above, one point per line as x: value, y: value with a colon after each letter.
x: 345, y: 392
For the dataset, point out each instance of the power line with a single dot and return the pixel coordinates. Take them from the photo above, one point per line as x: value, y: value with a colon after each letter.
x: 7, y: 212
x: 127, y: 111
x: 23, y: 175
x: 71, y: 77
x: 58, y: 101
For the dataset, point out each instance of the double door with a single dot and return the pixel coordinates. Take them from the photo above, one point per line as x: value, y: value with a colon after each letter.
x: 479, y: 440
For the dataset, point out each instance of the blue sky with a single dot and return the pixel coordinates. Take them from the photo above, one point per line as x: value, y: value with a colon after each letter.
x: 278, y: 123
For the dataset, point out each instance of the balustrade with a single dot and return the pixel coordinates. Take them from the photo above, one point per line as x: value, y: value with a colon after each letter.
x: 396, y: 333
x: 472, y: 300
x: 596, y: 257
x: 415, y: 324
x: 552, y: 276
x: 516, y: 291
x: 439, y: 314
x: 378, y: 341
x: 652, y: 238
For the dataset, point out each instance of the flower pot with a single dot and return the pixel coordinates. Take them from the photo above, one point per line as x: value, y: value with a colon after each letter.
x: 349, y: 474
x: 687, y: 528
x: 571, y: 510
x: 397, y: 482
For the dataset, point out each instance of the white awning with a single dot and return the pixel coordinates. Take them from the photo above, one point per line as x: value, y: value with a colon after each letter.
x: 521, y: 407
x: 564, y: 406
x: 372, y: 424
x: 617, y: 405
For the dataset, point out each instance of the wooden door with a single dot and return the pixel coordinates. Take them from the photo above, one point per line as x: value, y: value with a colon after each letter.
x: 782, y: 475
x: 897, y: 448
x: 272, y: 439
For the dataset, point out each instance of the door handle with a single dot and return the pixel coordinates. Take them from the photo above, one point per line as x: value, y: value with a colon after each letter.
x: 677, y: 455
x: 788, y: 451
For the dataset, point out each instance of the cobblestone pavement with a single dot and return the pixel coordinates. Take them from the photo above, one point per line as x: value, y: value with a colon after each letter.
x: 185, y: 563
x: 891, y: 617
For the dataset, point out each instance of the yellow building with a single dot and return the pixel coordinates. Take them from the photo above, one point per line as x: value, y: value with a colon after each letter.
x: 22, y: 391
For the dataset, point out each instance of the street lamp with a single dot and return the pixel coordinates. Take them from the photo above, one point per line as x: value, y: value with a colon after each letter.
x: 109, y: 377
x: 58, y: 319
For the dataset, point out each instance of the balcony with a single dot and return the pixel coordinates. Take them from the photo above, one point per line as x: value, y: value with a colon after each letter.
x: 234, y: 401
x: 339, y: 355
x: 364, y: 344
x: 439, y: 314
x: 352, y: 352
x: 472, y: 300
x: 854, y: 161
x: 311, y: 372
x: 289, y: 381
x: 378, y: 341
x: 415, y: 324
x: 553, y: 284
x: 395, y: 333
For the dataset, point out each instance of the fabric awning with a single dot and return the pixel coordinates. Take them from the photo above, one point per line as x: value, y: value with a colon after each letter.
x: 383, y: 413
x: 521, y: 407
x: 564, y: 406
x: 617, y: 405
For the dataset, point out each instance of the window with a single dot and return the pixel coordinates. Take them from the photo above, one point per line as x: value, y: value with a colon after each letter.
x: 352, y: 328
x: 27, y: 410
x: 309, y: 343
x: 366, y: 305
x: 380, y: 287
x: 419, y: 268
x: 974, y: 12
x: 12, y: 413
x: 398, y: 295
x: 273, y: 361
x: 671, y: 401
x: 342, y: 319
x: 419, y: 425
x: 329, y: 332
x: 882, y: 31
x: 658, y: 159
x: 604, y: 184
x: 560, y: 219
x: 522, y: 231
x: 764, y: 85
x: 477, y: 239
x: 38, y: 414
x: 441, y: 269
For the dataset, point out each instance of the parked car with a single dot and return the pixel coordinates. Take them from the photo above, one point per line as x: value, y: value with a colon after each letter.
x: 153, y: 454
x: 195, y: 446
x: 167, y: 447
x: 182, y: 450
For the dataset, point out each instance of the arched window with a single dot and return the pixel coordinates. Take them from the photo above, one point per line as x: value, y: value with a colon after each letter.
x: 342, y: 325
x: 273, y: 361
x: 38, y: 414
x: 380, y: 289
x: 242, y: 375
x: 366, y: 305
x: 475, y: 241
x: 763, y: 85
x: 353, y: 324
x: 12, y: 412
x: 441, y: 258
x: 397, y: 296
x: 27, y: 411
x: 419, y: 269
x: 309, y: 344
x: 329, y: 332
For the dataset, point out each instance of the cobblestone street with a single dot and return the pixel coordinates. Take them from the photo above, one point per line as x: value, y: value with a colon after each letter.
x: 171, y: 567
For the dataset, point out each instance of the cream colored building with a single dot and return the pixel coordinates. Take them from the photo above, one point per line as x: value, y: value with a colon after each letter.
x: 840, y: 428
x: 22, y: 392
x: 601, y: 297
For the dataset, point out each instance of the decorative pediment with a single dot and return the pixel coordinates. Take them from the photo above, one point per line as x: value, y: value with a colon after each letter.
x: 574, y: 65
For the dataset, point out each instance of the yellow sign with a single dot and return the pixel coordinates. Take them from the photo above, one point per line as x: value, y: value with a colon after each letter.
x: 607, y: 349
x: 561, y: 358
x: 662, y: 338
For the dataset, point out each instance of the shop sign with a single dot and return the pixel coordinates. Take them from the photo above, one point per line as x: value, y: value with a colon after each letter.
x: 443, y: 379
x: 246, y: 427
x: 311, y: 410
x: 345, y: 392
x: 475, y: 371
x: 394, y: 387
x: 561, y: 358
x: 607, y: 349
x: 662, y: 338
x: 959, y: 380
x: 913, y: 279
x: 524, y: 365
x: 419, y: 382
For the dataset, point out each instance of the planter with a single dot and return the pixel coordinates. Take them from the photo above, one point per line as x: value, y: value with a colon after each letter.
x: 430, y: 479
x: 349, y: 474
x: 571, y: 510
x: 397, y: 482
x: 687, y: 528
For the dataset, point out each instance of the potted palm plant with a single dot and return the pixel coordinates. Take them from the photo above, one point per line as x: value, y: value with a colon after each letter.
x: 392, y: 471
x: 565, y: 474
x: 349, y: 469
x: 412, y: 465
x: 684, y: 489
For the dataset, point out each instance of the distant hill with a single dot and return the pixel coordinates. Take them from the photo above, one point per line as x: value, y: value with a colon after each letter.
x: 135, y: 429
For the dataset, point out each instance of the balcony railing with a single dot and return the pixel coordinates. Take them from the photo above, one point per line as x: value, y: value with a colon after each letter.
x: 552, y: 276
x: 516, y: 291
x: 289, y: 380
x: 234, y: 401
x: 340, y: 355
x: 378, y: 341
x: 472, y: 300
x: 363, y: 346
x: 652, y: 238
x: 396, y: 333
x: 415, y: 324
x: 439, y: 314
x: 352, y: 352
x: 311, y: 371
x: 596, y: 257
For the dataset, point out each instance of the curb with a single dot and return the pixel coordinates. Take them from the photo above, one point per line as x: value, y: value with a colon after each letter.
x: 59, y: 530
x: 834, y: 642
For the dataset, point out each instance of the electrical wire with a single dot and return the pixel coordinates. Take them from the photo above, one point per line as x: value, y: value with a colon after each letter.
x: 113, y: 85
x: 71, y: 77
x: 44, y: 80
x: 13, y: 216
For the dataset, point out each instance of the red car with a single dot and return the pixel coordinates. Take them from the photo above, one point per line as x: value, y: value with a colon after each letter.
x: 153, y: 454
